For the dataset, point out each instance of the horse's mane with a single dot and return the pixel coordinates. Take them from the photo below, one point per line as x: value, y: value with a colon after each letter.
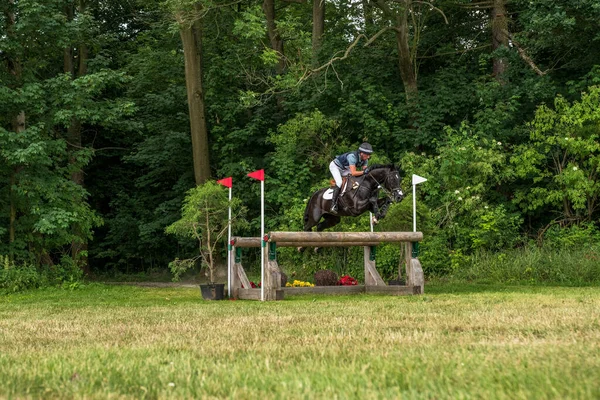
x: 392, y: 167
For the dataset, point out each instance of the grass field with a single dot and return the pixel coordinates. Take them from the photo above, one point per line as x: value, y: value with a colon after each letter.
x: 454, y: 342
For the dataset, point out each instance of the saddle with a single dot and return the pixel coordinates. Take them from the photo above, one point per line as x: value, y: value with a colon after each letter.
x: 349, y: 184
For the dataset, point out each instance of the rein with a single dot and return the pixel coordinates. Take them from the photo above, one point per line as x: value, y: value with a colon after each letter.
x: 382, y: 187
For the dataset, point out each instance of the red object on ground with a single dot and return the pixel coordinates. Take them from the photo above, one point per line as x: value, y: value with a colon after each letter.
x: 347, y: 280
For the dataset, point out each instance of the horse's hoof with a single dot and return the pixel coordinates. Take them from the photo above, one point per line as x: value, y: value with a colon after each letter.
x: 375, y: 221
x: 300, y: 249
x: 317, y: 249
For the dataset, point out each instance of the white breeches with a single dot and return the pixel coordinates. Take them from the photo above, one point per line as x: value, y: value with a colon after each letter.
x: 338, y: 173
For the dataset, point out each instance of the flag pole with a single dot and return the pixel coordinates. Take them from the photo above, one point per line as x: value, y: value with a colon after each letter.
x: 229, y: 248
x: 262, y: 238
x: 260, y: 175
x: 228, y: 182
x: 414, y: 207
x: 416, y: 179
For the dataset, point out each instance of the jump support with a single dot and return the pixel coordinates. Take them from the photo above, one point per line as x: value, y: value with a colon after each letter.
x: 369, y: 240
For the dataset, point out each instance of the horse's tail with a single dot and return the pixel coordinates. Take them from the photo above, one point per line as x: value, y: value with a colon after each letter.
x: 307, y: 207
x: 307, y: 210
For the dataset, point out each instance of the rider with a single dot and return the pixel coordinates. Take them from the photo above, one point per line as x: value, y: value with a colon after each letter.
x: 347, y: 164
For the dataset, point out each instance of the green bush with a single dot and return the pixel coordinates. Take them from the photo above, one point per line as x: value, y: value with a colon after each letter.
x: 584, y: 235
x: 15, y: 278
x: 532, y: 265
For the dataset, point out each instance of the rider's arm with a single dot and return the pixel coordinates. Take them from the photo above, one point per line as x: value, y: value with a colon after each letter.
x: 354, y: 172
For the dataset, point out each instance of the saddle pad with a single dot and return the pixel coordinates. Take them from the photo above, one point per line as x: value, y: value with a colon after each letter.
x: 328, y: 195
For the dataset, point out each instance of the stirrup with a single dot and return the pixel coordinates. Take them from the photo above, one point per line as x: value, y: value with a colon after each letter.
x: 334, y: 208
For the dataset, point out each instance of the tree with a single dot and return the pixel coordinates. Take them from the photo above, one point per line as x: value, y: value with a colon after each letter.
x: 189, y: 20
x: 204, y: 218
x: 398, y: 16
x: 318, y: 21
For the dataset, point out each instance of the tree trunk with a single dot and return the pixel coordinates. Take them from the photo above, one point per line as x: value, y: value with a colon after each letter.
x: 18, y: 125
x: 191, y: 38
x: 406, y: 63
x: 318, y: 29
x: 499, y: 38
x: 274, y: 37
x: 74, y: 131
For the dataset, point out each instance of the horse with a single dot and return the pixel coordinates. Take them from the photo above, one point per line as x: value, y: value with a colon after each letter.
x: 361, y: 194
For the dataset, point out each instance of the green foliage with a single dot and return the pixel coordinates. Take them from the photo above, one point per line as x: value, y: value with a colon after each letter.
x: 16, y: 277
x: 462, y: 197
x: 532, y: 265
x: 205, y: 218
x: 49, y: 203
x: 561, y: 160
x: 583, y: 236
x: 303, y: 151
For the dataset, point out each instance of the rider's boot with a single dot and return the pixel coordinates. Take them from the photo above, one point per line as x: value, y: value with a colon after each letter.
x: 334, y: 200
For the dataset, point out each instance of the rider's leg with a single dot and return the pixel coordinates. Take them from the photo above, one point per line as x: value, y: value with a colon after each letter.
x: 337, y: 175
x: 334, y: 199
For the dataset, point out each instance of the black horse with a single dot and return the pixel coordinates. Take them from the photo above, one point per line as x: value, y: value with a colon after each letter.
x: 361, y: 195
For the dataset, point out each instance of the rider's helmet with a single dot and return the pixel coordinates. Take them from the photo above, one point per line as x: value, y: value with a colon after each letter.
x: 366, y: 148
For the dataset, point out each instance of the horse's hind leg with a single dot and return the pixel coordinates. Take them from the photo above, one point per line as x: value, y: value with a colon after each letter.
x: 328, y: 221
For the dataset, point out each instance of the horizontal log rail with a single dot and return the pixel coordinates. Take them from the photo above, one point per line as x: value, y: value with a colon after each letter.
x: 355, y: 237
x: 255, y: 242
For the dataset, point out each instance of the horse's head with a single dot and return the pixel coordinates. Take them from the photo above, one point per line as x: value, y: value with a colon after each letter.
x: 390, y: 180
x: 392, y: 184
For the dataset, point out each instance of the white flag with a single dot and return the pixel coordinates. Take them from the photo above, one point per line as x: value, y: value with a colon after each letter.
x: 416, y: 179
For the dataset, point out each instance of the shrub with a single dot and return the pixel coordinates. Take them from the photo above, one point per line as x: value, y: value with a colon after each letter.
x: 326, y: 277
x: 532, y: 265
x: 15, y: 278
x: 18, y: 277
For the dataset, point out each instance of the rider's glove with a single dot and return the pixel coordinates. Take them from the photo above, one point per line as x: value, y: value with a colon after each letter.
x: 366, y: 170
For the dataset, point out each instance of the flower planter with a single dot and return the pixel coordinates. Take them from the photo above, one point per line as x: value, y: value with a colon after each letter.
x: 213, y: 291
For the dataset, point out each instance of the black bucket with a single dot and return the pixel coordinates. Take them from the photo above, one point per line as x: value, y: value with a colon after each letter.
x: 213, y: 291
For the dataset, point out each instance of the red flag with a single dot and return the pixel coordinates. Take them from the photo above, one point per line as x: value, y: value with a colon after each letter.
x: 226, y: 182
x: 260, y: 174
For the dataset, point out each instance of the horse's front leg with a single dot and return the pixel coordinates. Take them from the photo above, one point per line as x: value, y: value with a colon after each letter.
x: 383, y: 209
x: 374, y: 208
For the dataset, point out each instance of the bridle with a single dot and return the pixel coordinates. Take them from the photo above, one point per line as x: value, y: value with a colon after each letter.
x: 388, y: 193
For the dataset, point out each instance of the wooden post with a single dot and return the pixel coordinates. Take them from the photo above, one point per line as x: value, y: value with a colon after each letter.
x: 407, y: 246
x: 372, y: 277
x: 418, y: 280
x: 239, y: 279
x: 272, y: 284
x: 414, y: 272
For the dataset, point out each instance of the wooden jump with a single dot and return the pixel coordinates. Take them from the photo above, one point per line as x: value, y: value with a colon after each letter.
x: 373, y: 282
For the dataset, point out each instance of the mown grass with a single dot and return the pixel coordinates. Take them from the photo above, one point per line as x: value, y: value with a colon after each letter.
x: 454, y: 342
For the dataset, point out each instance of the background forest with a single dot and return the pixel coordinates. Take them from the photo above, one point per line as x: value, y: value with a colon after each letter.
x: 111, y: 110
